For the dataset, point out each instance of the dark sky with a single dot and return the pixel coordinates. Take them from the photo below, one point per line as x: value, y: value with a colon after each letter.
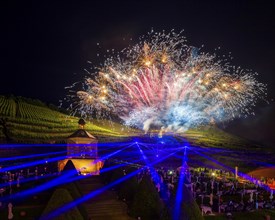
x: 46, y: 45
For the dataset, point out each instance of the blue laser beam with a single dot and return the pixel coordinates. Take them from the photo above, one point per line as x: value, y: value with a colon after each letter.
x: 70, y: 205
x: 30, y: 156
x: 179, y: 194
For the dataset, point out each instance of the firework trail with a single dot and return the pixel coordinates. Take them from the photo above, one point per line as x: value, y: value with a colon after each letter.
x: 163, y: 83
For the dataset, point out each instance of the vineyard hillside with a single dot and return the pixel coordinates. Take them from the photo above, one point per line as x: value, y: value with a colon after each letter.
x: 31, y: 121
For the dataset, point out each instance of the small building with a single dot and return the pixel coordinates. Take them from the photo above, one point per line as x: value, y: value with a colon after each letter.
x: 82, y: 151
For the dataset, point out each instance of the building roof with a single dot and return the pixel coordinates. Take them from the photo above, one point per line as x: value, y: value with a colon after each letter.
x: 81, y: 133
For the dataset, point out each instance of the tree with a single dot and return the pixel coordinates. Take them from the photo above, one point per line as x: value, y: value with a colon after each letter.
x: 146, y: 203
x: 129, y: 188
x: 69, y: 167
x: 81, y: 122
x: 59, y: 198
x: 75, y: 193
x: 116, y: 174
x: 6, y: 132
x: 105, y: 176
x: 189, y: 208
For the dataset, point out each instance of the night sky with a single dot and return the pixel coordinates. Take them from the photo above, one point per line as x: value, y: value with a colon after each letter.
x: 45, y: 46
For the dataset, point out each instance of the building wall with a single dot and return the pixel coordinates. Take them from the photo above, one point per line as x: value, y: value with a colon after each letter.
x: 85, y: 166
x: 82, y: 148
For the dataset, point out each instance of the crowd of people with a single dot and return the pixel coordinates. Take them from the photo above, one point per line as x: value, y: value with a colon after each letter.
x: 214, y: 190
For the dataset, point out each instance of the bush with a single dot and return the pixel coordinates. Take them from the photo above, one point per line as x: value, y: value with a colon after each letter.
x: 59, y: 198
x: 70, y: 168
x: 128, y: 188
x: 146, y: 203
x: 105, y: 176
x: 189, y: 208
x: 75, y: 193
x: 116, y: 174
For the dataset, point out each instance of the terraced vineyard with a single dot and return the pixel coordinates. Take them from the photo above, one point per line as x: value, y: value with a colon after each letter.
x: 7, y: 106
x: 214, y: 137
x: 24, y: 121
x: 29, y: 120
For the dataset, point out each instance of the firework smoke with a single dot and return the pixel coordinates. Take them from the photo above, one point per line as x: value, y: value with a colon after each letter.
x: 165, y: 84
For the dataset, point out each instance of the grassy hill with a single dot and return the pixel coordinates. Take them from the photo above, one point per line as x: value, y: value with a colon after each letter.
x: 26, y: 120
x: 31, y: 121
x: 215, y: 137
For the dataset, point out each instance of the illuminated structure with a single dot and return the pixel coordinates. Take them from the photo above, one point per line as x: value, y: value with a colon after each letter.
x: 82, y: 151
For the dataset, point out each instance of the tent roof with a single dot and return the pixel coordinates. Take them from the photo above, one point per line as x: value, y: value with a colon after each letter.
x: 81, y: 133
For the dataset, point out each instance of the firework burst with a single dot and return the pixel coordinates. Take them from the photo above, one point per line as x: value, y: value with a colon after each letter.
x: 163, y: 83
